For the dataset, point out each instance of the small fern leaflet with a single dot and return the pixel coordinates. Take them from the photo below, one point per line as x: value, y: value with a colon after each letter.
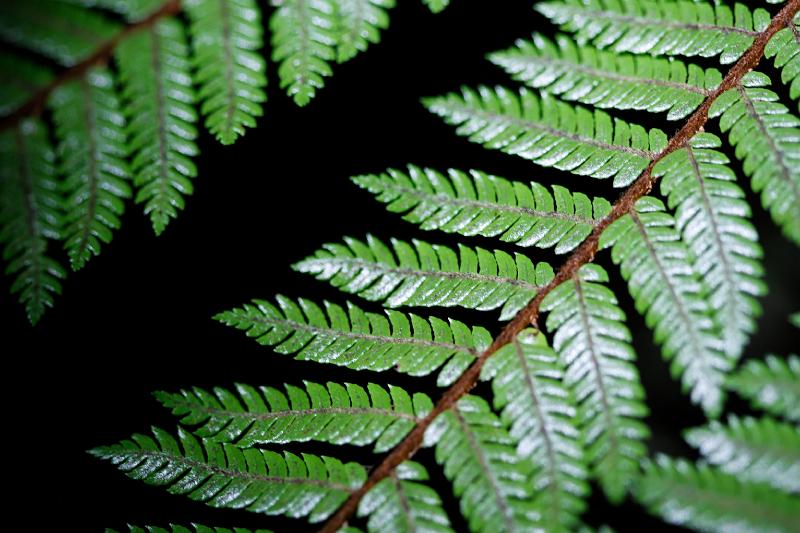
x: 527, y: 383
x: 303, y: 43
x: 480, y: 204
x: 422, y: 274
x: 226, y: 36
x: 661, y: 27
x: 772, y: 384
x: 753, y: 449
x: 360, y: 340
x: 708, y: 500
x: 656, y: 264
x: 220, y: 475
x: 713, y: 218
x: 30, y: 215
x: 402, y: 504
x: 92, y: 146
x: 338, y: 414
x: 478, y: 457
x: 155, y: 72
x: 767, y: 140
x: 606, y: 79
x: 594, y: 345
x: 551, y: 133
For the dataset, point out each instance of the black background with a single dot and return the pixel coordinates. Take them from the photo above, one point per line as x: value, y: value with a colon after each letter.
x: 138, y: 318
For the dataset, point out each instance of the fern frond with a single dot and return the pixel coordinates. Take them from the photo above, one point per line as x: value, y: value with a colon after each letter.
x: 667, y: 292
x: 713, y: 218
x: 260, y: 481
x: 338, y: 414
x: 194, y: 528
x: 156, y: 74
x: 752, y: 449
x: 527, y: 384
x: 92, y: 149
x: 606, y: 79
x: 30, y: 215
x: 550, y: 132
x: 62, y: 32
x: 705, y: 499
x: 436, y: 6
x: 478, y: 458
x: 660, y: 27
x: 132, y: 10
x: 593, y: 342
x: 784, y: 49
x: 18, y: 79
x: 359, y: 23
x: 421, y: 274
x: 401, y: 504
x: 231, y: 73
x: 481, y: 204
x: 772, y: 385
x: 767, y: 141
x: 303, y: 43
x: 360, y: 340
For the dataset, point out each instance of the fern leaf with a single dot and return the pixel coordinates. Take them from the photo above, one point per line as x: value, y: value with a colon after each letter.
x: 767, y: 140
x: 772, y: 385
x: 705, y: 499
x: 194, y: 528
x: 133, y: 10
x: 92, y: 148
x: 30, y: 215
x: 361, y: 340
x: 784, y: 49
x: 527, y: 383
x: 488, y: 477
x: 591, y: 339
x: 713, y: 218
x: 658, y: 268
x: 481, y: 204
x: 359, y: 23
x: 303, y: 43
x: 551, y: 133
x: 606, y: 79
x: 19, y: 78
x: 401, y: 504
x: 231, y: 73
x: 752, y: 449
x: 260, y: 481
x: 660, y: 27
x: 334, y: 413
x: 421, y: 274
x: 155, y: 72
x: 62, y: 32
x: 795, y: 319
x: 436, y: 6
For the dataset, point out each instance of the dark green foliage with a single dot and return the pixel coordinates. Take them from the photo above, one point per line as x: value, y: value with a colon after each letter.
x: 92, y: 147
x: 30, y: 215
x: 135, y: 137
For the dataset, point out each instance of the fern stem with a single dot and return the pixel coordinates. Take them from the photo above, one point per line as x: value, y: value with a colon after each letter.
x: 582, y: 255
x: 36, y: 102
